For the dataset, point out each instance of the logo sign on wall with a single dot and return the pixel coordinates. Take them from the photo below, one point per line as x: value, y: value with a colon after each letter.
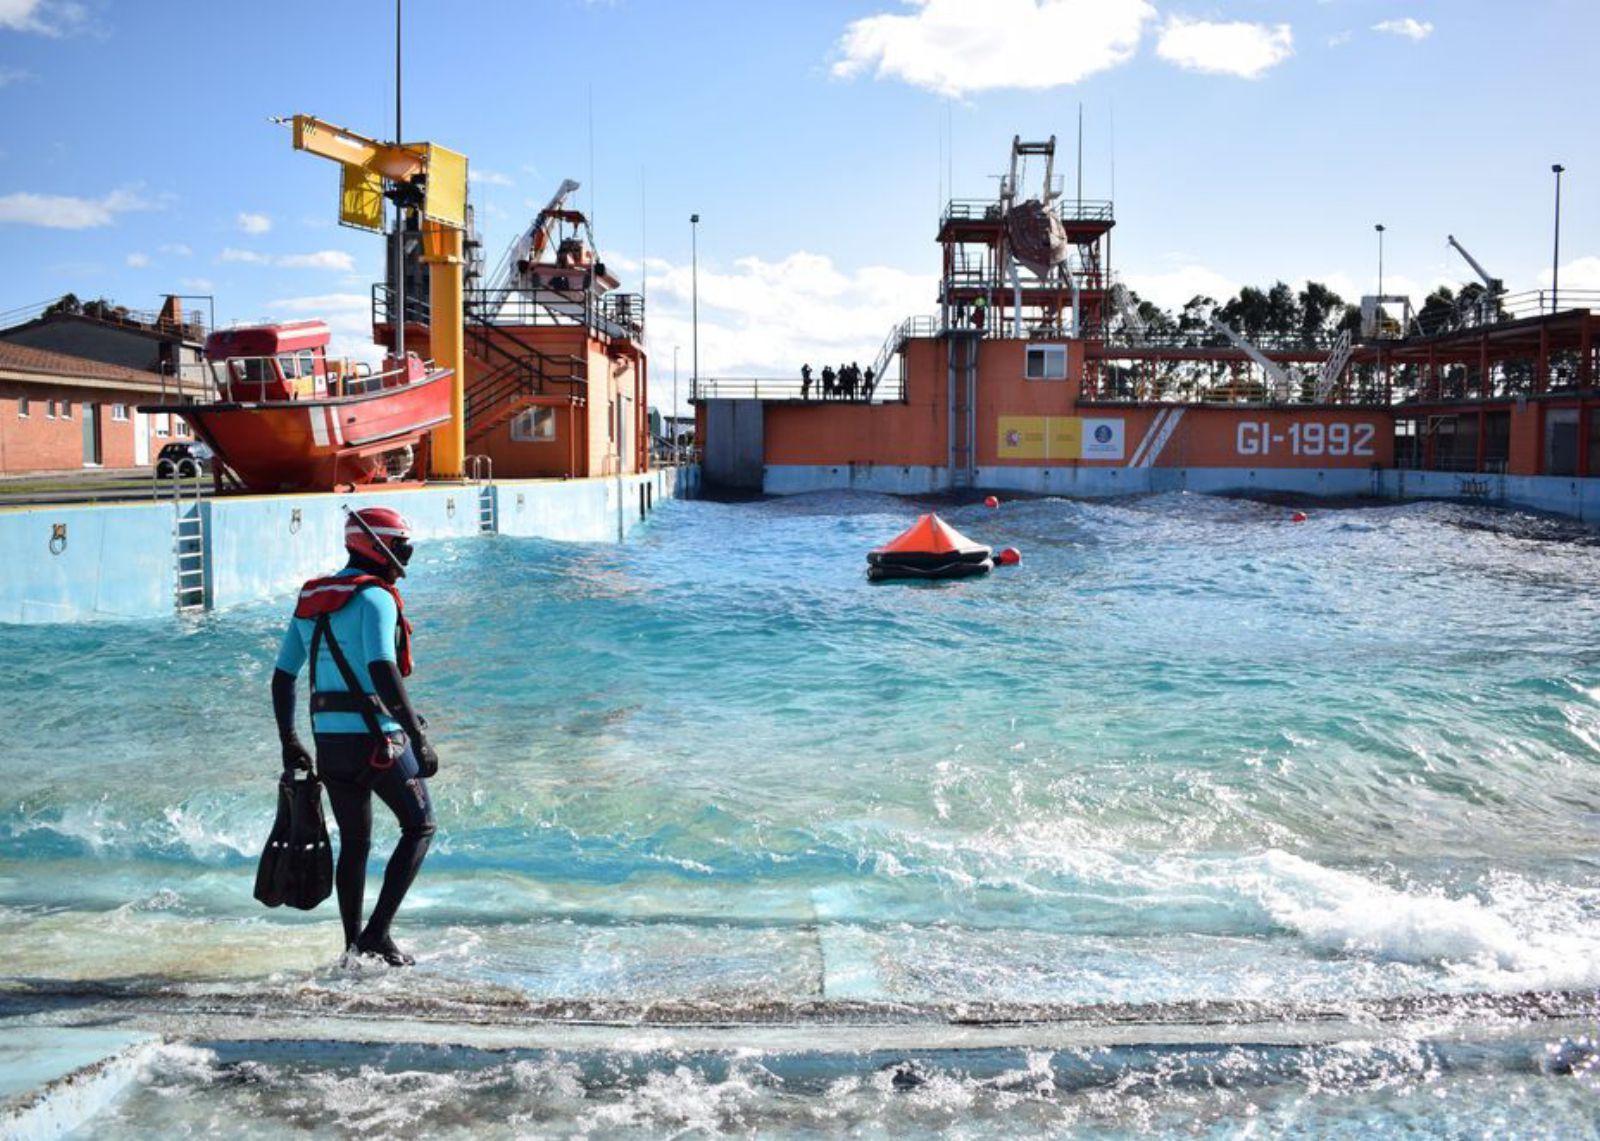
x: 1059, y: 438
x: 1102, y: 439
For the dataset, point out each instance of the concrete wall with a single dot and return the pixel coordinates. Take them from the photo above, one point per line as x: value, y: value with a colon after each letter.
x: 116, y: 562
x: 111, y: 344
x: 1559, y: 495
x: 120, y: 561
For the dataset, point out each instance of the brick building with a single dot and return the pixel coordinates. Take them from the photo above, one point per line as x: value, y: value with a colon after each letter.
x: 59, y: 412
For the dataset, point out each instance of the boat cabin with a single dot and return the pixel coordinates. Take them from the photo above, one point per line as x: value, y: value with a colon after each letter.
x: 268, y: 363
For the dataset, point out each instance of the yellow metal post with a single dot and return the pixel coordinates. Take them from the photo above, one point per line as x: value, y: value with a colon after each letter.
x: 441, y: 250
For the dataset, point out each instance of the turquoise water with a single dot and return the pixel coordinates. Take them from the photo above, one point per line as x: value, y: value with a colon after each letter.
x: 1188, y: 752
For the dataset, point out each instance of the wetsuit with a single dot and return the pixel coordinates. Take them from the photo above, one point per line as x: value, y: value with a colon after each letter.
x: 352, y: 763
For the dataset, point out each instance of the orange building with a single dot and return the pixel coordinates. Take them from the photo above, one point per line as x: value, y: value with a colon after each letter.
x: 1036, y: 374
x: 556, y: 375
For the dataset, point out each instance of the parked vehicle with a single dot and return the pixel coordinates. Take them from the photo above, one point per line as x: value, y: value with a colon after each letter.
x: 186, y: 458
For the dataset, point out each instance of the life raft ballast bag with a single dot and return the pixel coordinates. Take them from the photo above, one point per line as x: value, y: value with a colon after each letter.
x: 929, y: 548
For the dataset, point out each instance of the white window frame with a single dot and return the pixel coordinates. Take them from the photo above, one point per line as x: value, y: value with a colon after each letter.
x: 119, y: 412
x: 22, y: 408
x: 164, y: 425
x: 66, y: 409
x: 530, y: 427
x: 1044, y: 354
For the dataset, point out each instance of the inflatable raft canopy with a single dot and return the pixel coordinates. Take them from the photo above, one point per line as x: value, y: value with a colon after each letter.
x: 929, y: 548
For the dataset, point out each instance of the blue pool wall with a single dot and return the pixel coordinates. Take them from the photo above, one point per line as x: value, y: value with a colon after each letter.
x: 121, y: 561
x: 1558, y: 495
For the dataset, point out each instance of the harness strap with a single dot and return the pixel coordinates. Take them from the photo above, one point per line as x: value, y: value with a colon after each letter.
x: 364, y: 704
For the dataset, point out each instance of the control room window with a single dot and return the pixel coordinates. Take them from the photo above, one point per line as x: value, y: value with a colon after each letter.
x: 119, y: 411
x: 535, y: 426
x: 66, y: 409
x: 50, y: 411
x: 22, y: 407
x: 1047, y: 362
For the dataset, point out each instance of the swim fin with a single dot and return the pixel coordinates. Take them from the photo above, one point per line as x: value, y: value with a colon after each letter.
x: 296, y: 868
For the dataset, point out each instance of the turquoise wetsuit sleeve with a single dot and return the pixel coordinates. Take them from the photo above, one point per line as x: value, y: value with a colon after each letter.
x: 379, y: 618
x: 292, y: 651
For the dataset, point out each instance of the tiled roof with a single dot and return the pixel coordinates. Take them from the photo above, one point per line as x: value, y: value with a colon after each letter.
x: 22, y: 358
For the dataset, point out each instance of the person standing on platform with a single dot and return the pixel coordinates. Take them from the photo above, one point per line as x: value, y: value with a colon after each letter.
x: 805, y: 382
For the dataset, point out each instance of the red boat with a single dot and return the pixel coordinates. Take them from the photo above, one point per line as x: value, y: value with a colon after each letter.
x: 290, y: 418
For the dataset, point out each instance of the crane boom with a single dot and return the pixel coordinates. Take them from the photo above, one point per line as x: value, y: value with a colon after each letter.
x: 527, y: 246
x: 1283, y: 379
x: 1493, y: 284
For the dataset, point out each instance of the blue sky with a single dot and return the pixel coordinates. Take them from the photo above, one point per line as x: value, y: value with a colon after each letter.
x: 1250, y: 141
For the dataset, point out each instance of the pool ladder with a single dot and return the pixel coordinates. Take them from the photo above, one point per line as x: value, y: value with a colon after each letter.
x: 480, y: 470
x: 189, y: 542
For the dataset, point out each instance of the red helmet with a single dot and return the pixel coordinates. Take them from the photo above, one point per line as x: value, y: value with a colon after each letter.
x: 380, y: 534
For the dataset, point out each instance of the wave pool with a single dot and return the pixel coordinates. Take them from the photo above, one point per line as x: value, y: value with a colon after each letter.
x: 1189, y: 763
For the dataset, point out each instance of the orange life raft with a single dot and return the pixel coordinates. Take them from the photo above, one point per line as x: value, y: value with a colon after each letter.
x: 929, y: 548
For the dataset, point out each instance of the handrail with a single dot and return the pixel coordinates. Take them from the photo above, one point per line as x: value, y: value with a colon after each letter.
x: 786, y: 388
x: 988, y: 210
x: 145, y: 320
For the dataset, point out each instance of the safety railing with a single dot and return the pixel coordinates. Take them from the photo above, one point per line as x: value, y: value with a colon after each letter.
x: 988, y: 210
x: 790, y: 388
x: 144, y: 320
x: 616, y: 315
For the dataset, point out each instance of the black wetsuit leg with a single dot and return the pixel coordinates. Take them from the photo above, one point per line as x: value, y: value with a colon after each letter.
x: 344, y: 763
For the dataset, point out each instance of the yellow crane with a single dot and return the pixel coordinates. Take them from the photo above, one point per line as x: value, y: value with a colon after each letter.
x: 433, y: 181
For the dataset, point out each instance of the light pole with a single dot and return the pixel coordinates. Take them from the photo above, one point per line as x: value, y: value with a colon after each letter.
x: 1379, y: 227
x: 1555, y: 260
x: 694, y: 284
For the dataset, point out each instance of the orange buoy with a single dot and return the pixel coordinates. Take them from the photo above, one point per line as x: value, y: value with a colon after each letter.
x: 1298, y: 517
x: 1008, y: 557
x: 991, y: 501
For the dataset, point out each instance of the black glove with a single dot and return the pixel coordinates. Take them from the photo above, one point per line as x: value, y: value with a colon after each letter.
x: 427, y: 759
x: 295, y: 757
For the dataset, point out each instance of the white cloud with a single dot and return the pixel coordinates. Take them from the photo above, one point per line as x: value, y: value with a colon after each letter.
x: 1579, y: 274
x: 488, y: 177
x: 1244, y: 50
x: 254, y: 223
x: 323, y: 303
x: 44, y: 17
x: 10, y: 75
x: 1339, y: 39
x: 349, y: 318
x: 321, y: 259
x: 954, y: 47
x: 1175, y: 288
x: 177, y: 250
x: 1411, y: 29
x: 137, y: 260
x: 64, y: 212
x: 764, y: 318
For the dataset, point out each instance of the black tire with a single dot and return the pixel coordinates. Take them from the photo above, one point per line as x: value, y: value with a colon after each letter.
x: 165, y: 470
x: 188, y: 469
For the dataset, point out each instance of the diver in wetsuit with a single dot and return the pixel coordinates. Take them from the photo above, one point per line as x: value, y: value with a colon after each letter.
x: 352, y: 628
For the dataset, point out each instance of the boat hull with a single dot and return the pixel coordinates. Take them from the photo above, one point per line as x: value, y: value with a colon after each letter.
x: 320, y: 444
